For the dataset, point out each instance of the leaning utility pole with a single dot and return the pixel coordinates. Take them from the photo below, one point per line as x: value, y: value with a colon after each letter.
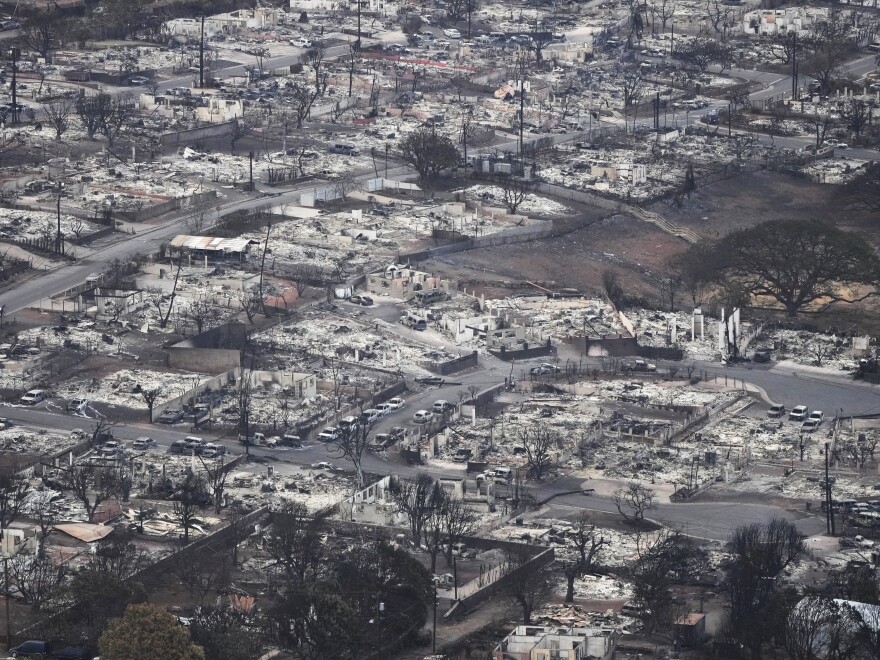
x: 829, y: 509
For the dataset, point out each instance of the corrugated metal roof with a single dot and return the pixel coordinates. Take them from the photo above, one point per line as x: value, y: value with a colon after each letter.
x: 84, y: 531
x: 210, y: 243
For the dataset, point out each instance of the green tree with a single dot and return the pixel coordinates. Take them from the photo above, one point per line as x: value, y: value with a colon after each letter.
x: 428, y: 152
x: 227, y: 634
x: 145, y: 633
x: 797, y: 263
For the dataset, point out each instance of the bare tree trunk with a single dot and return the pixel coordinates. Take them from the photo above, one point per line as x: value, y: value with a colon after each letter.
x: 263, y: 268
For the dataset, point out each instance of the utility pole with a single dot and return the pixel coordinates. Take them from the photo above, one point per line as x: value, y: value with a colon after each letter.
x: 58, y: 242
x: 794, y: 67
x: 358, y: 42
x: 251, y: 158
x: 6, y: 600
x: 433, y: 634
x: 15, y: 55
x: 829, y: 510
x: 202, y: 56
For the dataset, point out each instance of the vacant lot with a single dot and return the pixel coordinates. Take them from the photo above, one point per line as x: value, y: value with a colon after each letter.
x: 638, y: 251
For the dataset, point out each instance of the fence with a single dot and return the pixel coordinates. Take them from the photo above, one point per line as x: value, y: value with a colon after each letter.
x: 455, y: 365
x: 195, y: 134
x: 469, y: 602
x: 175, y: 204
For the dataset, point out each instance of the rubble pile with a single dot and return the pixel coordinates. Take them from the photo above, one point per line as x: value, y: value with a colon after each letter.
x: 318, y: 335
x: 124, y: 387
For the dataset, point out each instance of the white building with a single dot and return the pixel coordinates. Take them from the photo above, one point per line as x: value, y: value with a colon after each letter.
x: 234, y: 22
x: 556, y: 643
x: 767, y: 22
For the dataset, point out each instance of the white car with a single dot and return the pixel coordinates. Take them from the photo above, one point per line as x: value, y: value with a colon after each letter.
x: 323, y: 465
x: 452, y: 33
x: 370, y: 415
x: 396, y: 403
x: 423, y: 417
x: 384, y: 408
x: 301, y: 43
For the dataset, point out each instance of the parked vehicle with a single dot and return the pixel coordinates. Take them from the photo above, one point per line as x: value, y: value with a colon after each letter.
x: 384, y: 409
x: 412, y: 322
x: 423, y: 417
x: 544, y: 369
x: 442, y: 406
x: 75, y: 404
x: 177, y: 447
x: 345, y: 150
x: 143, y: 443
x: 194, y: 444
x: 452, y: 33
x: 798, y: 414
x: 503, y: 474
x: 818, y: 416
x: 290, y: 440
x: 32, y: 648
x: 458, y: 549
x: 357, y: 299
x: 329, y: 434
x: 33, y: 397
x: 429, y: 380
x: 72, y: 653
x: 640, y: 365
x: 428, y: 296
x: 776, y: 410
x: 257, y: 440
x: 301, y: 43
x: 370, y: 416
x: 171, y: 416
x: 396, y: 403
x: 213, y: 450
x: 348, y: 423
x: 323, y: 465
x: 809, y: 425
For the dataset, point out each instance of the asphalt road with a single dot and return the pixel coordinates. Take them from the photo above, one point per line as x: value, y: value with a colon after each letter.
x: 705, y: 520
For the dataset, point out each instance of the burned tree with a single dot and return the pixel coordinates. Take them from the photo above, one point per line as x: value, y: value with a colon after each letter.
x: 527, y: 585
x: 415, y: 499
x: 514, y: 191
x: 295, y: 540
x: 58, y: 115
x: 13, y: 492
x: 189, y: 498
x: 91, y: 485
x: 759, y: 554
x: 150, y: 395
x: 584, y: 544
x: 217, y: 473
x: 351, y: 443
x: 539, y: 444
x: 633, y: 501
